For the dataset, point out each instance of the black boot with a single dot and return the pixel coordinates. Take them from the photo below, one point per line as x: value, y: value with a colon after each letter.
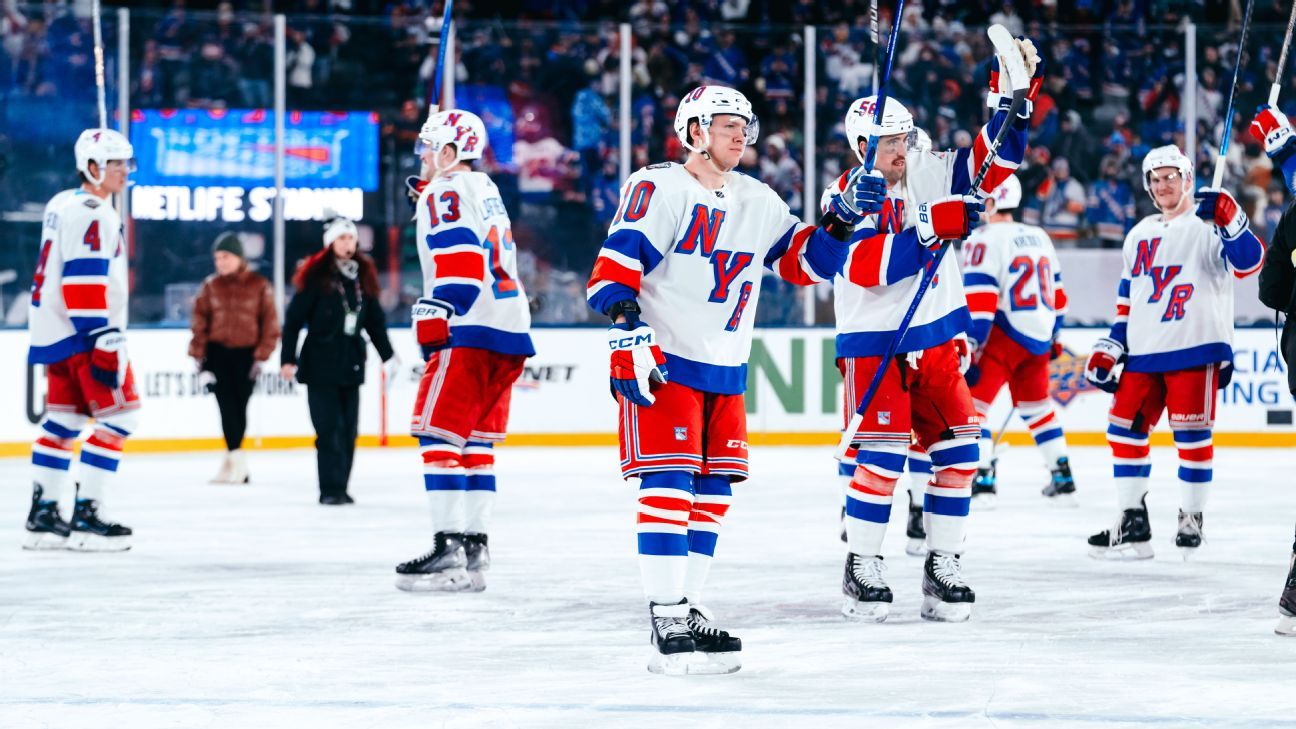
x: 90, y: 533
x: 914, y: 530
x: 444, y: 569
x: 1287, y: 601
x: 1190, y: 530
x: 868, y: 597
x: 719, y: 650
x: 479, y: 560
x: 671, y: 638
x: 1061, y: 486
x: 1130, y: 538
x: 45, y: 526
x: 946, y: 596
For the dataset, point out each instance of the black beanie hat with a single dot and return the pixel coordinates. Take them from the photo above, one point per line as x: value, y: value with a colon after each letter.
x: 228, y: 242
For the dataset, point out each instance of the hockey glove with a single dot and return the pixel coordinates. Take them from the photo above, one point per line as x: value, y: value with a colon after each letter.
x: 414, y: 189
x: 1216, y: 205
x: 963, y: 347
x: 1101, y: 367
x: 1055, y: 350
x: 637, y: 362
x: 1225, y: 374
x: 431, y: 320
x: 948, y: 218
x: 108, y: 358
x: 1001, y: 88
x: 863, y: 196
x: 1272, y: 129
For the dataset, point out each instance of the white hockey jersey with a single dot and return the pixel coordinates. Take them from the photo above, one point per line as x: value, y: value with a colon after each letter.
x: 1013, y: 281
x: 886, y: 260
x: 81, y: 282
x: 693, y: 259
x: 1174, y: 305
x: 466, y: 250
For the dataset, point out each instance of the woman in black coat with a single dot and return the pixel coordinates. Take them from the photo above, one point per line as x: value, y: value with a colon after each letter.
x: 336, y: 299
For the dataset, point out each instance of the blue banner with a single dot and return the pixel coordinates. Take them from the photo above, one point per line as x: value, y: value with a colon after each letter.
x: 235, y: 148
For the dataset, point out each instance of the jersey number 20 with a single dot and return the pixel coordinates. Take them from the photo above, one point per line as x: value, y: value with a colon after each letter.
x: 1029, y: 270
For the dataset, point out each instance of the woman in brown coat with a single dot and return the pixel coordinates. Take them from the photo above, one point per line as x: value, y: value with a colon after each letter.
x: 235, y: 330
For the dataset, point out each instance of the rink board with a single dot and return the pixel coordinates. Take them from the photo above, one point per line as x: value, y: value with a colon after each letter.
x: 794, y: 395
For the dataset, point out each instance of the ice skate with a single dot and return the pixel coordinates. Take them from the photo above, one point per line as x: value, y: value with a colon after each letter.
x: 1287, y: 603
x: 1130, y: 538
x: 671, y: 639
x: 45, y: 526
x: 238, y: 473
x: 715, y: 650
x: 984, y: 489
x: 868, y: 598
x: 1060, y: 490
x: 946, y: 597
x: 914, y: 530
x: 92, y: 534
x: 1189, y: 537
x: 444, y: 569
x: 843, y: 524
x: 478, y: 555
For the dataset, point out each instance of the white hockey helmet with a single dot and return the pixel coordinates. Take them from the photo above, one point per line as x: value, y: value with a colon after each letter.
x: 896, y: 119
x: 1008, y: 195
x: 703, y: 104
x: 102, y: 146
x: 464, y: 129
x: 1167, y: 156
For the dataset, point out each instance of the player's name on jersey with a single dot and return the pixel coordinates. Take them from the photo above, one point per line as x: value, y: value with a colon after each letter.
x: 236, y: 204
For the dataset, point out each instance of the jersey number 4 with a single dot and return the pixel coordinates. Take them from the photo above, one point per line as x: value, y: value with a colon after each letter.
x: 1028, y: 270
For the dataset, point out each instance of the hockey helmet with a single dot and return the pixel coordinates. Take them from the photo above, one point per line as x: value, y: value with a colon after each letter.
x: 464, y: 129
x: 896, y: 119
x: 1008, y: 195
x: 1167, y: 156
x: 102, y: 146
x: 703, y: 104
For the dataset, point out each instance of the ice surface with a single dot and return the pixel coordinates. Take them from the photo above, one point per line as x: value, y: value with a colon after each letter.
x: 256, y: 607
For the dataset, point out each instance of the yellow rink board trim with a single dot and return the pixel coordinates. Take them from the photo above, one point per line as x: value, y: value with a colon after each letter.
x: 1084, y: 438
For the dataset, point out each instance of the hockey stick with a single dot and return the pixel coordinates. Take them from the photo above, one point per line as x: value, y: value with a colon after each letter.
x: 439, y: 73
x: 1228, y: 116
x: 99, y: 63
x: 870, y: 155
x: 994, y: 445
x: 877, y: 40
x: 1001, y: 39
x: 1282, y: 59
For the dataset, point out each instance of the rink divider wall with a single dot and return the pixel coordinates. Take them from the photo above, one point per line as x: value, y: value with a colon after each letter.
x: 794, y: 395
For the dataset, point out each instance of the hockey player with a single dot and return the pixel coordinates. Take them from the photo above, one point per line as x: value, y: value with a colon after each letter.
x: 679, y: 276
x: 1278, y: 290
x: 1014, y: 294
x: 77, y: 322
x: 1173, y: 332
x: 472, y: 323
x: 923, y: 390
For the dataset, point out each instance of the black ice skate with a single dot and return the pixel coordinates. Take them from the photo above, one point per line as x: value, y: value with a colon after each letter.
x: 1131, y: 538
x: 478, y: 555
x: 946, y: 597
x: 868, y: 598
x: 1189, y: 537
x: 92, y: 534
x: 45, y: 526
x: 1060, y: 490
x: 984, y: 490
x: 671, y: 639
x: 444, y: 569
x: 1287, y: 602
x: 715, y: 650
x: 914, y: 530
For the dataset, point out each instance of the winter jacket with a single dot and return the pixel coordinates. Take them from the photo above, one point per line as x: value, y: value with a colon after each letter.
x: 329, y: 356
x: 236, y: 311
x: 1278, y: 285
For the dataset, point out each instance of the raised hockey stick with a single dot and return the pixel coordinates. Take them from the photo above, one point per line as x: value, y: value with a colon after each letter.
x: 99, y: 63
x: 1015, y: 69
x: 880, y: 89
x: 877, y: 40
x: 439, y: 72
x: 1228, y: 114
x: 1282, y: 59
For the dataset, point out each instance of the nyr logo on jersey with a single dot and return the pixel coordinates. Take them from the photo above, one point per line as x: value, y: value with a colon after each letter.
x: 1176, y: 296
x: 726, y: 266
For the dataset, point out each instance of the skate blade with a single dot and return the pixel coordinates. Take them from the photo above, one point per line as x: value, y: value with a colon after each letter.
x: 916, y: 547
x: 984, y: 502
x: 713, y: 664
x: 1189, y: 553
x: 448, y: 581
x: 87, y: 542
x: 1063, y: 501
x: 945, y: 612
x: 1123, y: 553
x: 865, y: 612
x: 44, y: 541
x: 1286, y: 625
x: 673, y: 664
x: 476, y: 581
